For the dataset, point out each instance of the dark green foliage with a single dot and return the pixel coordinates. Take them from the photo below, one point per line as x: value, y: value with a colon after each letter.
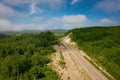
x: 3, y: 35
x: 102, y: 44
x: 25, y: 57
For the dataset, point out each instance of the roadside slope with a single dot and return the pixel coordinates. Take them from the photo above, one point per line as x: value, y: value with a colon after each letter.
x: 89, y: 69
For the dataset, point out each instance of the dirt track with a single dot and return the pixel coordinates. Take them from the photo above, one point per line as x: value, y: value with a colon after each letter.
x: 92, y: 72
x: 76, y: 67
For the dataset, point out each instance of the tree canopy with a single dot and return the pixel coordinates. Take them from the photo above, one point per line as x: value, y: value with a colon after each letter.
x: 102, y: 44
x: 25, y: 56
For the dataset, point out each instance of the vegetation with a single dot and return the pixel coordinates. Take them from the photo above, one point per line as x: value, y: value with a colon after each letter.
x: 62, y: 62
x: 25, y: 56
x: 102, y: 44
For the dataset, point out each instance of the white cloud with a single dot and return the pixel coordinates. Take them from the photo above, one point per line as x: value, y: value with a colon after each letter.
x: 41, y: 11
x: 33, y: 26
x: 109, y: 5
x: 6, y: 25
x: 55, y: 4
x: 40, y: 23
x: 106, y: 21
x: 5, y: 11
x: 33, y: 8
x: 18, y: 2
x: 15, y: 2
x: 74, y: 1
x: 74, y: 19
x: 52, y: 4
x: 38, y: 19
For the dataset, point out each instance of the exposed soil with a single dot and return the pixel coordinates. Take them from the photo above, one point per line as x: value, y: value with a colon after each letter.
x: 72, y: 70
x: 76, y: 66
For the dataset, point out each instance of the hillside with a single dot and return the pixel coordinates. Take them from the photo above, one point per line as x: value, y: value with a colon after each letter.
x: 102, y: 44
x: 55, y: 31
x: 25, y: 56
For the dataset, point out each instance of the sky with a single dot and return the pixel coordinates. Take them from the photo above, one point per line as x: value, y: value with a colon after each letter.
x: 57, y: 14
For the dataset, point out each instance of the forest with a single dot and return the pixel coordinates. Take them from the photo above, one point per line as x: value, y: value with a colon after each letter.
x: 102, y: 44
x: 26, y: 56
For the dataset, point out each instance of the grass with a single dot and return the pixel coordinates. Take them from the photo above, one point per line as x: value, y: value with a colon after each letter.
x: 62, y: 62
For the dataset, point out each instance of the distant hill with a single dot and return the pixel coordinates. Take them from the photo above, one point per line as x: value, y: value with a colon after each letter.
x: 56, y: 31
x: 2, y: 35
x: 59, y: 31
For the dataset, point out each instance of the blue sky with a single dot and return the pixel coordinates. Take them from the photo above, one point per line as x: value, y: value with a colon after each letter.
x: 57, y: 14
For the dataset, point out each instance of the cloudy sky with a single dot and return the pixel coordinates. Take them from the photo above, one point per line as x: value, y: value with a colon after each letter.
x: 57, y: 14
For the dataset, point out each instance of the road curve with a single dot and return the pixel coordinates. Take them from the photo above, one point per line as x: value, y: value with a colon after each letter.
x: 89, y: 68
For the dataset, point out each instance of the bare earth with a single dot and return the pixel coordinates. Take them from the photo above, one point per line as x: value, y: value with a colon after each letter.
x: 76, y: 67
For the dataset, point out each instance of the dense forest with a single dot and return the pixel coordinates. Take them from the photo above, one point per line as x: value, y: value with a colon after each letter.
x: 102, y: 44
x: 25, y: 56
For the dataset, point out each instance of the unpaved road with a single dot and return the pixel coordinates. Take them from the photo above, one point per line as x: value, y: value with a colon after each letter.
x: 93, y: 73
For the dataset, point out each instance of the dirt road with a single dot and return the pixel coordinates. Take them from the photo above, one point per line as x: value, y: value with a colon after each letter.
x: 82, y: 62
